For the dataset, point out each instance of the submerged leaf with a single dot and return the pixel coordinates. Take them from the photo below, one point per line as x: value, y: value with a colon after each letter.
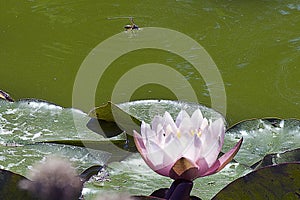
x: 274, y: 182
x: 9, y: 186
x: 89, y: 172
x: 112, y: 118
x: 105, y: 128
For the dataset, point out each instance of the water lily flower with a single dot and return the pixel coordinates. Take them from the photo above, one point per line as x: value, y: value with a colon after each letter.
x: 185, y: 149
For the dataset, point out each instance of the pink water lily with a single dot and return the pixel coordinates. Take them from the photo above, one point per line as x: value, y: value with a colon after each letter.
x: 185, y: 149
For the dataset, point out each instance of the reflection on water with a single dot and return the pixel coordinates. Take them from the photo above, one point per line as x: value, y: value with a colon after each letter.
x: 255, y: 45
x: 284, y: 85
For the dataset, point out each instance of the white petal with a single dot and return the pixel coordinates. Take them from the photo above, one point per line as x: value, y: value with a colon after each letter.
x: 160, y: 134
x: 193, y: 150
x: 204, y: 124
x: 148, y: 134
x: 211, y: 141
x: 156, y: 121
x: 155, y: 154
x: 169, y: 138
x: 197, y: 119
x: 217, y: 128
x: 143, y: 128
x: 182, y: 115
x: 173, y: 149
x: 161, y: 156
x: 198, y: 146
x: 185, y: 126
x: 169, y: 122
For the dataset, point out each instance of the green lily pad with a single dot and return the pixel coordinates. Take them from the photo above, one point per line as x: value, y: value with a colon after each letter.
x: 19, y: 159
x: 110, y: 117
x: 30, y: 121
x: 274, y: 182
x: 105, y: 128
x: 133, y: 176
x: 10, y: 183
x: 145, y: 110
x: 262, y: 137
x: 111, y: 114
x: 128, y: 116
x: 277, y: 158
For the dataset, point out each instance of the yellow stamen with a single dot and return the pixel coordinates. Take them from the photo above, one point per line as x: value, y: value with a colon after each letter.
x: 199, y: 133
x: 178, y: 134
x: 192, y: 132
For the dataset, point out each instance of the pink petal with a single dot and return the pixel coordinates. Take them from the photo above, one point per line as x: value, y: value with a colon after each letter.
x: 227, y: 157
x: 159, y: 159
x: 138, y: 140
x: 202, y: 167
x: 139, y: 143
x: 164, y: 171
x: 224, y: 160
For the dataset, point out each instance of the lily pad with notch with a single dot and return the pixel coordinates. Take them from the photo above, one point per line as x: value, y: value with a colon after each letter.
x: 277, y: 158
x: 128, y: 116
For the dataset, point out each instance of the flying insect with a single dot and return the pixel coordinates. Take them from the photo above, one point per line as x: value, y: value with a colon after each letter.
x: 132, y: 26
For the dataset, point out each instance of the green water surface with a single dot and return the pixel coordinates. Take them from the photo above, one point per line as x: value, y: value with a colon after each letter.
x: 255, y: 45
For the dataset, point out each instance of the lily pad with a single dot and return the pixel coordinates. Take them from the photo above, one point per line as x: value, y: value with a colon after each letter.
x: 105, y: 128
x: 134, y: 176
x: 274, y: 182
x: 112, y: 116
x: 277, y: 158
x: 128, y: 116
x: 19, y: 159
x: 145, y: 110
x: 10, y: 183
x: 30, y: 121
x: 262, y: 137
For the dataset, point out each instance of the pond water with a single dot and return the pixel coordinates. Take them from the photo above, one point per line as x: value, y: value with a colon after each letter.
x: 255, y: 45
